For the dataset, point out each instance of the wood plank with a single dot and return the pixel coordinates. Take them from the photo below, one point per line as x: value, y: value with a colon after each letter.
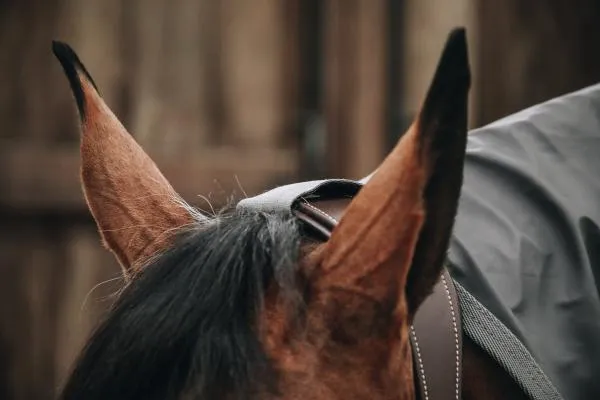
x: 356, y: 79
x: 47, y: 179
x: 92, y: 280
x: 31, y: 286
x: 253, y: 39
x: 545, y: 49
x: 310, y: 132
x: 427, y: 25
x: 30, y: 105
x: 291, y: 71
x: 369, y: 114
x: 173, y: 77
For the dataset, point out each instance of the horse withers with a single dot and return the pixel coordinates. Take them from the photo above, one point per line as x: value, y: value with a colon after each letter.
x: 255, y: 303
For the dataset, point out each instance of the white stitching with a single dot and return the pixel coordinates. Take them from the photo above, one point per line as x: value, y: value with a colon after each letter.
x: 420, y: 362
x: 456, y: 341
x: 323, y: 213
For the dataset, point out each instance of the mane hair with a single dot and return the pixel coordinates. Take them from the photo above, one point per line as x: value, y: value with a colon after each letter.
x: 186, y: 326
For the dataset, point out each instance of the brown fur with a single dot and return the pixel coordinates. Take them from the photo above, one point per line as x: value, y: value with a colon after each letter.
x: 363, y: 286
x: 135, y: 208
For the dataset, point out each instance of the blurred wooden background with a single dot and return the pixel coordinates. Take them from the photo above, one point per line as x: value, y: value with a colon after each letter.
x: 228, y: 95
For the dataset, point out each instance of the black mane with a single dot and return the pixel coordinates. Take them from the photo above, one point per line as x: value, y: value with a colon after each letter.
x: 185, y: 328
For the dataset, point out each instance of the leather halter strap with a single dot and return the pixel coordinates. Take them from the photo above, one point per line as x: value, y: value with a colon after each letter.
x: 436, y: 334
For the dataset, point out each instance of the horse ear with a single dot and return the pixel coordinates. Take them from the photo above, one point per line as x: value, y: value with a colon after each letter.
x: 135, y: 208
x: 391, y: 243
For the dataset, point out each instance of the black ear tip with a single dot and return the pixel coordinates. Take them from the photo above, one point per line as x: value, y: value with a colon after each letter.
x: 447, y: 99
x: 66, y: 56
x: 60, y: 49
x: 456, y: 47
x: 459, y: 33
x: 453, y: 75
x: 70, y: 61
x: 74, y: 69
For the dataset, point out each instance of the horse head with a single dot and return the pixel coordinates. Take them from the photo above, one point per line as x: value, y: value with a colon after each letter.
x: 250, y: 304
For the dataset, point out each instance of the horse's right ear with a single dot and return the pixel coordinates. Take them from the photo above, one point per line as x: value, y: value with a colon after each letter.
x: 135, y: 208
x: 391, y: 243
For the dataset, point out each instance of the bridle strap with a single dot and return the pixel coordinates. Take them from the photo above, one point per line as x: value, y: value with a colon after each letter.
x: 436, y: 338
x: 435, y: 335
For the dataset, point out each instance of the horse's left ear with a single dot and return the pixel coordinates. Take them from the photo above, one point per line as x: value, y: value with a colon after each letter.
x: 391, y: 243
x: 134, y: 206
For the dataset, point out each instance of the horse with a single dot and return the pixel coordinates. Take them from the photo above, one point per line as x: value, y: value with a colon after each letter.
x: 260, y: 301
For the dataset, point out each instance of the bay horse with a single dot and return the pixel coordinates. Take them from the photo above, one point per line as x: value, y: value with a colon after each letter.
x: 261, y: 302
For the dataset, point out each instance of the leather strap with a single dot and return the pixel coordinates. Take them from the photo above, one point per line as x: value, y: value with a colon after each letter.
x: 437, y: 343
x: 436, y: 335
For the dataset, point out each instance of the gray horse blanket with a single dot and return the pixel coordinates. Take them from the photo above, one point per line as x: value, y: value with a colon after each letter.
x: 526, y: 242
x: 525, y: 251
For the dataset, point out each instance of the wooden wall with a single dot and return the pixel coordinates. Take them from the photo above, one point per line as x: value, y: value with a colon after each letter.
x: 521, y: 52
x: 204, y: 86
x: 426, y: 24
x: 227, y: 96
x: 531, y: 51
x: 356, y: 83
